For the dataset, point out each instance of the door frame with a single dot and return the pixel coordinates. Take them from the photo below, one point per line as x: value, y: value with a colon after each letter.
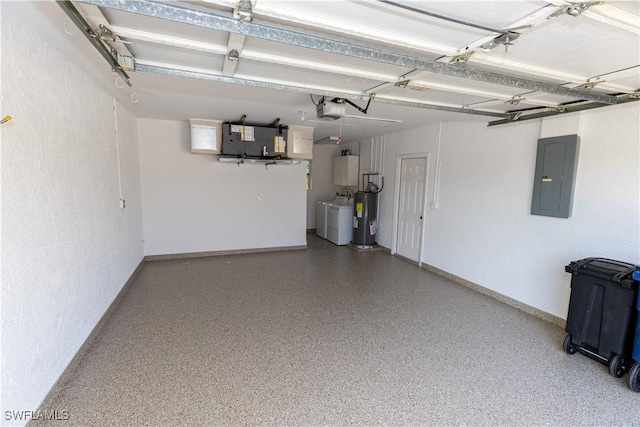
x: 396, y: 200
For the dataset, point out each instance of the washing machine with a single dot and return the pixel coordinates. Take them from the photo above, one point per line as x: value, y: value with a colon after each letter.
x: 321, y: 219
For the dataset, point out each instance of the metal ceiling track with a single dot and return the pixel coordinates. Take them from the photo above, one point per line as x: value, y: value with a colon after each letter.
x: 564, y: 109
x: 91, y: 35
x: 145, y: 68
x: 314, y: 41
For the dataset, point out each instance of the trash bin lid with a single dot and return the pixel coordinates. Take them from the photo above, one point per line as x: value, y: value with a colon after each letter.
x: 613, y: 270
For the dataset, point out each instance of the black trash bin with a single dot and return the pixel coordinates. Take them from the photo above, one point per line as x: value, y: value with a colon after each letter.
x: 602, y: 313
x: 634, y: 373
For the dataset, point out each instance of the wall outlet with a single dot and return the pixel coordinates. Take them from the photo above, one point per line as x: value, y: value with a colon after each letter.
x: 122, y: 204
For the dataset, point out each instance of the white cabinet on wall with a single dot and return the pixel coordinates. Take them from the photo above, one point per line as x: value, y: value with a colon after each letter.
x: 345, y: 171
x: 206, y: 136
x: 300, y: 144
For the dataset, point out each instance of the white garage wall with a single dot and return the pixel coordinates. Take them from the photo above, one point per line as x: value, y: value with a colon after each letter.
x: 483, y: 230
x: 67, y: 247
x: 192, y: 203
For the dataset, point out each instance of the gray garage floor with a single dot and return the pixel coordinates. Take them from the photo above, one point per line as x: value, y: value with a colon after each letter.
x: 329, y: 336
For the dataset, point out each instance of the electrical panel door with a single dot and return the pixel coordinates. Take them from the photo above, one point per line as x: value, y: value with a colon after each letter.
x: 556, y: 165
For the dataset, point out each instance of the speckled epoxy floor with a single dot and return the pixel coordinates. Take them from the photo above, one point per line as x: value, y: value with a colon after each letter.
x: 330, y: 336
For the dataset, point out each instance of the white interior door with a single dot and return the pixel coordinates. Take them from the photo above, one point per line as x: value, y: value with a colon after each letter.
x: 412, y: 185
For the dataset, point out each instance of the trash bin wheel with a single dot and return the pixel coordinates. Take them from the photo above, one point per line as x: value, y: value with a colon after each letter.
x: 567, y: 346
x: 618, y: 365
x: 634, y: 378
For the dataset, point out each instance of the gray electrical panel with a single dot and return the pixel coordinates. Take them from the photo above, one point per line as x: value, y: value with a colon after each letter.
x: 556, y: 166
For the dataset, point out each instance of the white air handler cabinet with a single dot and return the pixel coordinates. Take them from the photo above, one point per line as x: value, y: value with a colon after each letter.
x: 300, y: 142
x: 345, y: 171
x: 206, y: 136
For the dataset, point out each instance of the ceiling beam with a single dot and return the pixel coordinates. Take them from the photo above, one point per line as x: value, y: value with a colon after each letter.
x: 313, y: 41
x: 171, y: 70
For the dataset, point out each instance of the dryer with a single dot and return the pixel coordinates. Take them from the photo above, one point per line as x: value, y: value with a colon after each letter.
x: 340, y: 222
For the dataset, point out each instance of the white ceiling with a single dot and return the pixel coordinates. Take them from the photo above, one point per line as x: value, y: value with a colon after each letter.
x: 601, y: 45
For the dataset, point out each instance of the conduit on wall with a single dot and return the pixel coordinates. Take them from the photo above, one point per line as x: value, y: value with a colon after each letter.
x: 435, y: 203
x: 115, y: 121
x: 377, y: 147
x: 377, y: 162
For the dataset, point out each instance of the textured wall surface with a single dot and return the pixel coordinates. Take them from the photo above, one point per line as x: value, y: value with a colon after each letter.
x: 193, y: 203
x: 483, y: 230
x: 67, y: 247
